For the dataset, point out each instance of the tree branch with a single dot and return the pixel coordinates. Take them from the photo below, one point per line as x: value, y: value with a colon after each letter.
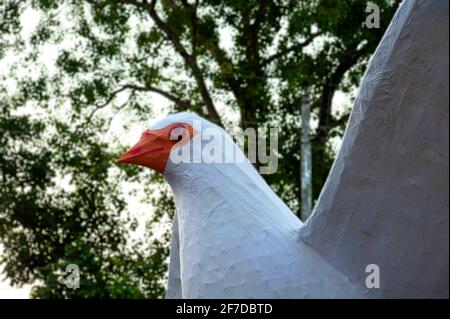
x: 293, y: 48
x: 192, y: 9
x: 260, y: 15
x: 137, y: 88
x: 189, y: 59
x: 227, y: 68
x: 191, y: 62
x: 99, y: 5
x: 183, y: 103
x: 347, y: 61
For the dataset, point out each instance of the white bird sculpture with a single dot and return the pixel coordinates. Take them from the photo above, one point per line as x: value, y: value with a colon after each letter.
x: 383, y: 209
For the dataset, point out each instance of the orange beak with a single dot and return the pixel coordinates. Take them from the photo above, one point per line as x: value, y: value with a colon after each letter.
x: 154, y: 147
x: 151, y: 151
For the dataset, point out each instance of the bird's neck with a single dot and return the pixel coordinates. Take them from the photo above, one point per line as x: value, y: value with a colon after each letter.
x: 230, y: 195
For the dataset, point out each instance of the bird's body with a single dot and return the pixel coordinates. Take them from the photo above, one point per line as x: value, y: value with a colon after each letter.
x: 384, y: 206
x: 237, y: 239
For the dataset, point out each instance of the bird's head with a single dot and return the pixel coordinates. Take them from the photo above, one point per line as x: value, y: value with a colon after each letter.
x: 156, y: 144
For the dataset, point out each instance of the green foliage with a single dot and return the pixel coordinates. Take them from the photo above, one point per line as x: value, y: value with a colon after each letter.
x: 277, y: 51
x: 45, y: 227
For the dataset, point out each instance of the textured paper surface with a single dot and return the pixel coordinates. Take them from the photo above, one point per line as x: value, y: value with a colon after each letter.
x: 232, y: 236
x: 386, y: 199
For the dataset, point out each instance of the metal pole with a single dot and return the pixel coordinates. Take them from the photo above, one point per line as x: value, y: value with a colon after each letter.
x: 306, y: 165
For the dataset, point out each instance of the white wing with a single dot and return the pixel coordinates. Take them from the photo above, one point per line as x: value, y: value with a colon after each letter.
x: 386, y: 199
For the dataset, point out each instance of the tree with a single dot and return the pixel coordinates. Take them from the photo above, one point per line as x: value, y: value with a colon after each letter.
x: 114, y: 56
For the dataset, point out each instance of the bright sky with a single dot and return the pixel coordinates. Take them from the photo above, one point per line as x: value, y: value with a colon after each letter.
x: 126, y: 137
x: 7, y: 292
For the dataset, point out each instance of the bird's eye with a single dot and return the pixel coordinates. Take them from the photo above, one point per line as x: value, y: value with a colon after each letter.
x: 178, y: 133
